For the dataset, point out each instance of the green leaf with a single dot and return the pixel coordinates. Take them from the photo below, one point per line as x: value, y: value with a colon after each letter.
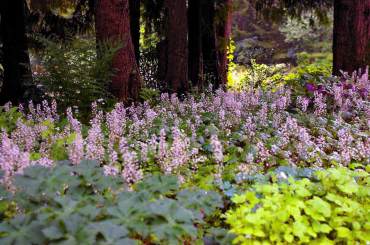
x: 343, y: 232
x: 320, y: 206
x: 53, y: 233
x: 288, y: 237
x: 349, y: 187
x: 110, y: 231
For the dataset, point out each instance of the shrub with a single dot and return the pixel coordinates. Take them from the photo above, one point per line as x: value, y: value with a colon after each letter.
x: 313, y: 68
x: 335, y: 209
x: 309, y: 32
x: 9, y: 117
x: 257, y: 76
x: 74, y: 73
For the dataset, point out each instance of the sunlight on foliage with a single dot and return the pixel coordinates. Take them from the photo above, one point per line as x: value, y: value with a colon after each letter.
x: 267, y: 77
x: 335, y: 209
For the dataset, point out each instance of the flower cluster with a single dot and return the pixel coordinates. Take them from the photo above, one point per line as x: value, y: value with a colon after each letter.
x: 252, y: 127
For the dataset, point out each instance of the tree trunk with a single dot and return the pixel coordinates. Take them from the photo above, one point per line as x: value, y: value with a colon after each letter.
x: 135, y: 26
x: 351, y: 41
x: 113, y: 25
x: 223, y: 39
x: 195, y: 43
x: 211, y: 73
x: 16, y: 61
x: 176, y: 31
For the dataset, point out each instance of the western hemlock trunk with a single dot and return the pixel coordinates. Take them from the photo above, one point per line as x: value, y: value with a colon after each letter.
x: 223, y: 38
x: 176, y: 32
x: 351, y: 41
x: 195, y: 43
x: 113, y: 24
x: 16, y: 61
x: 135, y: 26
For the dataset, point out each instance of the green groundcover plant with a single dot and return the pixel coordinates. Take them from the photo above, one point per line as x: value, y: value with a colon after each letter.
x: 78, y: 204
x: 334, y: 209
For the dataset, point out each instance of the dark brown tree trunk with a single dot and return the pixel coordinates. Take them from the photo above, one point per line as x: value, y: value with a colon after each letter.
x: 223, y: 39
x: 16, y: 61
x: 195, y: 43
x: 113, y: 24
x: 209, y: 42
x: 176, y: 31
x: 351, y: 41
x: 135, y: 26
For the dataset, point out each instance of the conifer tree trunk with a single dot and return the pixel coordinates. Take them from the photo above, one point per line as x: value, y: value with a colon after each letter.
x: 208, y: 29
x: 223, y: 39
x: 176, y: 53
x: 113, y: 24
x: 351, y: 41
x: 135, y: 26
x: 195, y: 43
x: 16, y: 61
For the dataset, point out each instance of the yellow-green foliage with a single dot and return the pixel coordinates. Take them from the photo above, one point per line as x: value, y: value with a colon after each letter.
x: 311, y: 67
x: 264, y: 76
x: 9, y: 118
x: 335, y: 209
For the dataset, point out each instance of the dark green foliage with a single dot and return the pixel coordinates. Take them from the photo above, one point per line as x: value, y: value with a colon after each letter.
x: 277, y: 10
x: 60, y: 18
x: 80, y: 205
x: 74, y: 74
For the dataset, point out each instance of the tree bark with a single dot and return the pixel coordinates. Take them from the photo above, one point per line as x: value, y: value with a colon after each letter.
x: 113, y: 25
x: 135, y: 26
x: 351, y: 41
x: 195, y: 43
x: 210, y: 62
x: 16, y: 61
x: 223, y: 39
x: 176, y: 31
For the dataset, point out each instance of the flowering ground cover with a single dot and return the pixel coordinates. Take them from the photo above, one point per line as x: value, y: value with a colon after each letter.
x: 202, y: 156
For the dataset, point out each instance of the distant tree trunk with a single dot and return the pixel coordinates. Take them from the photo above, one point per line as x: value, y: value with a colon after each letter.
x: 195, y: 43
x: 162, y: 61
x: 209, y: 42
x: 176, y: 31
x: 135, y: 26
x: 223, y: 39
x: 16, y: 61
x: 113, y: 24
x: 351, y: 41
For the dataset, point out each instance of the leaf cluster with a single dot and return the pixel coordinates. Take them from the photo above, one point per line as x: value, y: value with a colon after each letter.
x: 75, y: 73
x: 78, y: 204
x: 335, y: 209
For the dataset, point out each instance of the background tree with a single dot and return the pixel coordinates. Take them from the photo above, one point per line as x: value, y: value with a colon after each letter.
x: 195, y: 43
x: 210, y: 25
x: 135, y: 26
x: 61, y: 18
x: 351, y: 42
x: 210, y: 59
x: 16, y: 62
x: 223, y: 39
x: 113, y: 25
x: 176, y: 48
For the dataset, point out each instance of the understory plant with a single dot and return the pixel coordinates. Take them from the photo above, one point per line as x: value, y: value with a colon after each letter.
x: 75, y: 73
x: 78, y: 204
x: 332, y: 208
x: 219, y: 134
x: 266, y: 77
